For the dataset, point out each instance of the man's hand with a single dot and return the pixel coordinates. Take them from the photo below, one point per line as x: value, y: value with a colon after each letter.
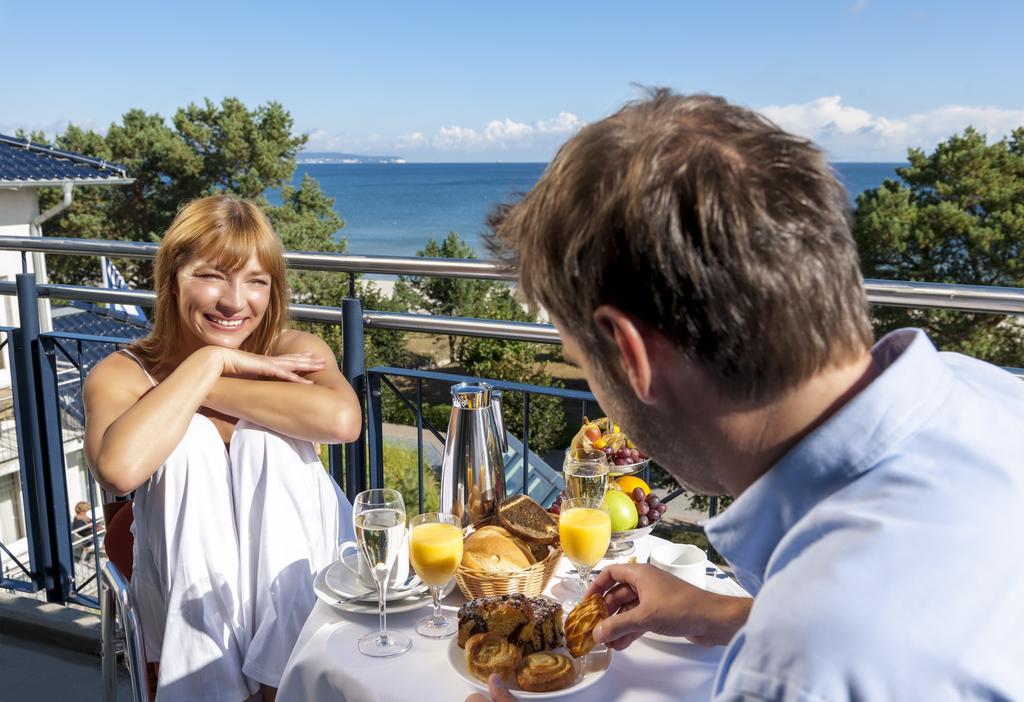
x: 499, y: 693
x: 642, y: 598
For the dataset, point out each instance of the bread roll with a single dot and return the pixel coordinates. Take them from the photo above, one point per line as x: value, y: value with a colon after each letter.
x: 523, y: 546
x: 494, y: 553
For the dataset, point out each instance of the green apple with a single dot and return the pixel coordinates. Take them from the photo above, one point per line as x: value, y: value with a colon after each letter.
x: 621, y: 510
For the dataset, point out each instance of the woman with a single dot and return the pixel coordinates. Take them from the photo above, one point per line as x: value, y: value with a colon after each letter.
x: 210, y: 420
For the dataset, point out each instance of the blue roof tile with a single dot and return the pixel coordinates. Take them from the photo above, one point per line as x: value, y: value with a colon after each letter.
x: 88, y: 319
x: 24, y: 162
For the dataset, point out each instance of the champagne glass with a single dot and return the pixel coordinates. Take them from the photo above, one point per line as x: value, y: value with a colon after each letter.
x: 435, y: 551
x: 586, y: 476
x: 584, y: 529
x: 379, y: 517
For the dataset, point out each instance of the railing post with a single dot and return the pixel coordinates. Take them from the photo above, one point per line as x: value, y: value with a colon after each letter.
x: 375, y: 430
x: 44, y: 489
x: 354, y: 367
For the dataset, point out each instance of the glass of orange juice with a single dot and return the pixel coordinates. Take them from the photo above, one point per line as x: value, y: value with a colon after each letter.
x: 584, y: 529
x: 435, y: 551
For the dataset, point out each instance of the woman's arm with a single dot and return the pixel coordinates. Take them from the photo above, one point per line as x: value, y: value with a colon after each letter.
x: 131, y: 428
x: 326, y: 411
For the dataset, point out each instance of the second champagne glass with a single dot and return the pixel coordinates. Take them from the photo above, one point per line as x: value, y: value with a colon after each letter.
x: 586, y: 476
x: 435, y: 551
x: 584, y: 529
x: 379, y: 517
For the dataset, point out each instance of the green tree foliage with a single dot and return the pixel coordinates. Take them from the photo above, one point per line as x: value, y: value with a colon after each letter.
x: 514, y: 361
x: 453, y: 297
x: 402, y: 473
x: 205, y: 149
x: 957, y: 217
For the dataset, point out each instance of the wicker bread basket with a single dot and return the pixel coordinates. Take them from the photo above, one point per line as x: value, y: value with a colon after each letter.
x: 529, y: 581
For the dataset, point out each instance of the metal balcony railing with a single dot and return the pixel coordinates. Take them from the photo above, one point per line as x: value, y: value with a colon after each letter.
x: 42, y: 363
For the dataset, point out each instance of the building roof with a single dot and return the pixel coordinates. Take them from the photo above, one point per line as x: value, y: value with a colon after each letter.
x: 26, y: 164
x: 86, y: 318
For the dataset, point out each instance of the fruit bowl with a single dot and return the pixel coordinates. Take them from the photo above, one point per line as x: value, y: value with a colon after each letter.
x: 623, y: 542
x: 640, y: 466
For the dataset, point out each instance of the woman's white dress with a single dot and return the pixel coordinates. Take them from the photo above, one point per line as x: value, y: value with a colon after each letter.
x: 227, y: 541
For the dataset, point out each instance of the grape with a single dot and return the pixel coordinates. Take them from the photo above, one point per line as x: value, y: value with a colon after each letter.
x: 555, y: 509
x: 608, y: 451
x: 642, y: 508
x: 620, y: 461
x: 638, y: 494
x: 660, y: 509
x: 622, y: 453
x: 653, y: 500
x: 654, y: 516
x: 634, y: 454
x: 644, y: 521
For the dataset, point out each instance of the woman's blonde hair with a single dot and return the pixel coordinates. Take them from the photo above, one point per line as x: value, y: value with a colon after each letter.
x: 219, y: 229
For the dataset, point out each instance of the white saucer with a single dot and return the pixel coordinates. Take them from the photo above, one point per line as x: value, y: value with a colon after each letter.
x: 344, y: 583
x: 597, y: 662
x: 418, y: 599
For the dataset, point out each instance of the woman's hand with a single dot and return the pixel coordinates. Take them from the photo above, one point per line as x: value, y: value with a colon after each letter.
x: 241, y: 364
x: 643, y: 598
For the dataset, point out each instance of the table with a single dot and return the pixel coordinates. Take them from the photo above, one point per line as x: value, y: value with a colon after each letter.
x: 325, y: 664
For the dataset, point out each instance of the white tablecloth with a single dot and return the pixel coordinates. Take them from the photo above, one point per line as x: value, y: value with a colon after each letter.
x: 326, y: 665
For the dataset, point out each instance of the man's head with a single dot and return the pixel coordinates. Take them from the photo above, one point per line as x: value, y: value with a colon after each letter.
x: 710, y: 229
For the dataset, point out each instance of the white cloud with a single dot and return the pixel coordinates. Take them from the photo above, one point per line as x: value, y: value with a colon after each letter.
x: 564, y: 123
x: 506, y: 130
x: 497, y: 138
x: 851, y: 133
x: 508, y: 134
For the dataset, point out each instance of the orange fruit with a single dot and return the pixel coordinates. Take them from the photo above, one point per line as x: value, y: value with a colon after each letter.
x: 628, y: 483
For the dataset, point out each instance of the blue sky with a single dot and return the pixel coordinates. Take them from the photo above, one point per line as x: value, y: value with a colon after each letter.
x: 444, y: 81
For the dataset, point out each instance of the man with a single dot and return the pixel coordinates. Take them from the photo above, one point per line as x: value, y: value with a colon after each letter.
x: 698, y: 263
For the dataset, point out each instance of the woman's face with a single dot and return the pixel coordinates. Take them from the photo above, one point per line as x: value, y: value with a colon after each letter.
x: 220, y: 307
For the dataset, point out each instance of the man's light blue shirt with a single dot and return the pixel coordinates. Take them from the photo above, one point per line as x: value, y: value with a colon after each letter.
x: 885, y: 551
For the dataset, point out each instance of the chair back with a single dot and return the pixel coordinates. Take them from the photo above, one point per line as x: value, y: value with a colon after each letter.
x: 119, y: 543
x: 116, y: 595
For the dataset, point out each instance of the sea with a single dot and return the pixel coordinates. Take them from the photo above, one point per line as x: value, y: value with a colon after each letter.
x: 393, y: 209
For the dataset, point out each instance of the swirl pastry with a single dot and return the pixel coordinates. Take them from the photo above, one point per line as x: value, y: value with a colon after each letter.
x: 545, y: 671
x: 579, y: 625
x: 491, y: 652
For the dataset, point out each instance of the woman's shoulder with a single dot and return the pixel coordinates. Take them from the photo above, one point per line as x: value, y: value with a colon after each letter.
x: 118, y: 368
x: 296, y: 341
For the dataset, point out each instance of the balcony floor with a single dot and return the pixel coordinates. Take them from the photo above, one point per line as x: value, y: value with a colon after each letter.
x: 37, y: 671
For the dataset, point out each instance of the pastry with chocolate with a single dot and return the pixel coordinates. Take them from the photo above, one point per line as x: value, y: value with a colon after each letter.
x: 533, y: 623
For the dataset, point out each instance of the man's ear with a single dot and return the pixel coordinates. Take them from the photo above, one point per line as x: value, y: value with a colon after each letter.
x: 634, y: 346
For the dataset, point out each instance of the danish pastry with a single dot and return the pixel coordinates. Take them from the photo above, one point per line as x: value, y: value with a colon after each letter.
x: 492, y: 653
x: 545, y: 671
x: 579, y: 625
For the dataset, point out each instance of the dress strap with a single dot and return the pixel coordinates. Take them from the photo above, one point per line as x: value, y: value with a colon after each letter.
x: 141, y: 364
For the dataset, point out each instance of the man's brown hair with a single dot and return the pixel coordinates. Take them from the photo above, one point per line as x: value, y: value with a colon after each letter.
x: 707, y: 221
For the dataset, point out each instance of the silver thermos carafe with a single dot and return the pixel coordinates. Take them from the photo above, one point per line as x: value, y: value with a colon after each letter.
x: 473, y: 470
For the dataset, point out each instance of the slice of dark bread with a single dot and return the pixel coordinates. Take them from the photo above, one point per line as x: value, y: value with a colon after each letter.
x: 523, y: 517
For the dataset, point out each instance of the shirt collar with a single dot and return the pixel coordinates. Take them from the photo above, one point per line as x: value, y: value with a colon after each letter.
x: 913, y: 381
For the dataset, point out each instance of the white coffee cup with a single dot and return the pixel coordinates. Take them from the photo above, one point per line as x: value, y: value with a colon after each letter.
x: 685, y: 561
x: 363, y: 572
